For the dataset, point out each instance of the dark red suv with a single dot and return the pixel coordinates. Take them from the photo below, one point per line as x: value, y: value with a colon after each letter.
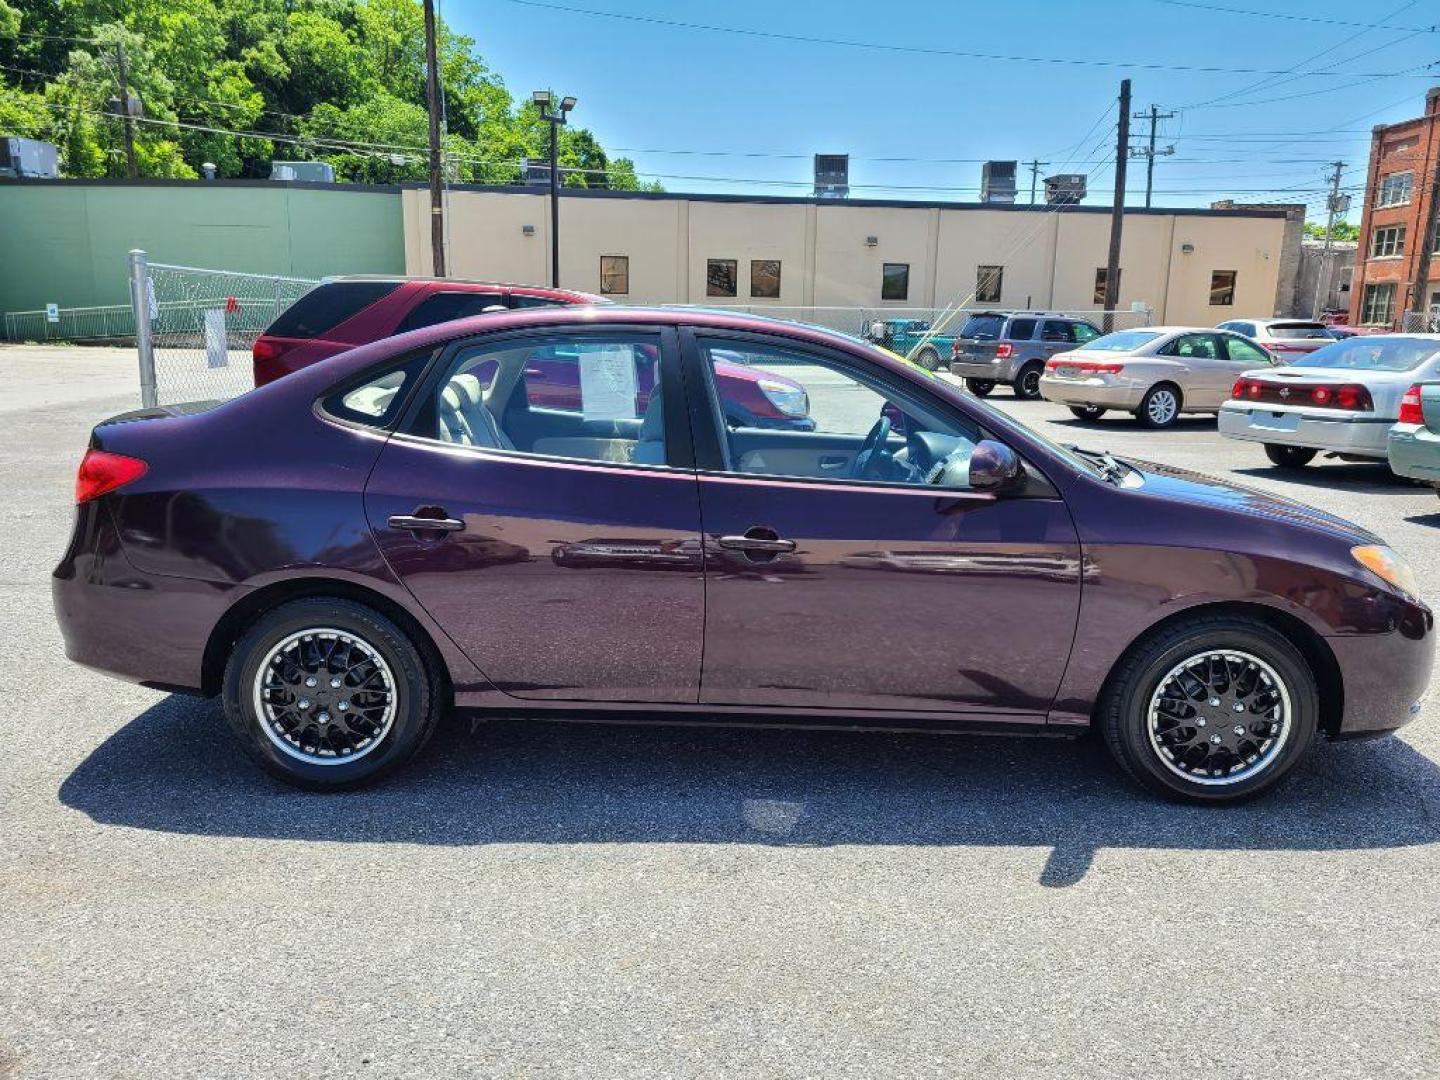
x: 343, y: 312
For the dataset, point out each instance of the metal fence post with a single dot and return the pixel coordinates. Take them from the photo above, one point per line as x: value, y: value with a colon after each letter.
x: 144, y: 341
x: 277, y: 299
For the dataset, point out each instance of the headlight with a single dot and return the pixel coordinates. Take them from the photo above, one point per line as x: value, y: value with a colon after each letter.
x: 790, y: 400
x: 1388, y: 567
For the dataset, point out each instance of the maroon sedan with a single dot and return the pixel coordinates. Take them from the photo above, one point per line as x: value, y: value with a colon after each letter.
x: 350, y: 553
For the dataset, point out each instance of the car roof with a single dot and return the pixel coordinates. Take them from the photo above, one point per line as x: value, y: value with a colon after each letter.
x: 464, y: 283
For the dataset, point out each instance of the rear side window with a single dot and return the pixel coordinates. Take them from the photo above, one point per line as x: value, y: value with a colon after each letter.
x: 522, y: 301
x: 442, y: 307
x: 1021, y: 329
x: 376, y: 398
x: 328, y: 305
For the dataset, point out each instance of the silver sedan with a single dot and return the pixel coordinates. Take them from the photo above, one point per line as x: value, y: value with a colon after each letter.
x: 1153, y: 372
x: 1341, y: 399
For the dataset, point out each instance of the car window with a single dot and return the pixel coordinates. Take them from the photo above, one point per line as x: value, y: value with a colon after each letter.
x: 1194, y: 346
x: 854, y: 426
x: 586, y: 397
x: 1122, y: 341
x: 1084, y: 332
x: 1021, y: 329
x: 445, y: 306
x: 377, y: 398
x: 1299, y: 331
x: 984, y: 326
x: 1056, y: 330
x: 520, y: 301
x: 1245, y: 352
x: 1374, y: 354
x: 326, y: 306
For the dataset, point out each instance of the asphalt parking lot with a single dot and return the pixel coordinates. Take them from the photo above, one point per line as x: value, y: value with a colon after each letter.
x: 544, y: 900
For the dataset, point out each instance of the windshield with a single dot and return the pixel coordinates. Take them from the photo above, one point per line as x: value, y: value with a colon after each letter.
x: 1121, y: 341
x: 1300, y: 331
x: 1374, y: 354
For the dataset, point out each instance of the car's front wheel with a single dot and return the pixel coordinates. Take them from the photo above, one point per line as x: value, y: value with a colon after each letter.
x: 1289, y: 457
x: 1027, y: 383
x: 327, y: 694
x: 980, y: 387
x: 1086, y: 412
x: 1213, y: 710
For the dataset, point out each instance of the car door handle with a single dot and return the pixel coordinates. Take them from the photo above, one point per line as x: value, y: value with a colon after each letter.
x: 769, y: 545
x: 833, y: 461
x: 412, y: 523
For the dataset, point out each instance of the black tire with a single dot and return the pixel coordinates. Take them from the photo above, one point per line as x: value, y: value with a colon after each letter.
x: 1123, y: 714
x: 1151, y: 412
x: 415, y: 685
x: 928, y: 358
x: 1289, y: 457
x: 980, y: 387
x: 1027, y: 383
x: 1086, y: 412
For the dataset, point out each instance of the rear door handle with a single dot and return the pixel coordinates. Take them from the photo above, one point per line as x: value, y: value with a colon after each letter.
x: 411, y: 523
x: 755, y: 543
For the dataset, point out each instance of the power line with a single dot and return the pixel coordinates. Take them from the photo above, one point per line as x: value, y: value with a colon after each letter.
x: 921, y: 50
x: 1296, y: 18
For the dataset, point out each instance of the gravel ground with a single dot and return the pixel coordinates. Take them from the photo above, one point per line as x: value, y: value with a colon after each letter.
x: 546, y: 900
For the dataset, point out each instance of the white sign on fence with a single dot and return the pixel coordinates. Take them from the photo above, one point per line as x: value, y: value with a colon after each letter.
x: 216, y: 352
x: 52, y: 312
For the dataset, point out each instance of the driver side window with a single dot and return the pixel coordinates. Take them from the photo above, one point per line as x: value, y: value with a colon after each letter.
x: 795, y: 414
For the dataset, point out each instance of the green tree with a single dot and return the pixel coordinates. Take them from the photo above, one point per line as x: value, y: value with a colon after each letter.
x: 1343, y: 230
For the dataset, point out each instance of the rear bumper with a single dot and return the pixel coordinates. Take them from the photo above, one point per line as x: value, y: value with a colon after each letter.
x: 993, y: 370
x: 1315, y: 429
x: 1092, y: 392
x: 1414, y: 452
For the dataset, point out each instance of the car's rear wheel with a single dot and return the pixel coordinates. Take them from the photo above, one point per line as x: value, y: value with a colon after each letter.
x: 980, y: 387
x: 928, y: 358
x: 1086, y: 412
x: 1027, y: 383
x: 1160, y: 407
x: 1289, y: 457
x: 328, y: 694
x: 1214, y: 710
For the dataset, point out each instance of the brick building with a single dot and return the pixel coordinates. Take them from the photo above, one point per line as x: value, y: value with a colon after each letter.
x: 1399, y: 195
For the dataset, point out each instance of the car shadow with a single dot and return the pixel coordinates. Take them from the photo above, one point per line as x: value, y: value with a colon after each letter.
x: 176, y: 768
x: 1376, y: 479
x: 1432, y: 520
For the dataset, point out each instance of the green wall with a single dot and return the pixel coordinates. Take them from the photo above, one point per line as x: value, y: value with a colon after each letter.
x: 66, y: 242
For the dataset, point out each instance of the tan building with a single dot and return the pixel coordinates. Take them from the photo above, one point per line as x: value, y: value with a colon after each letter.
x: 1200, y: 266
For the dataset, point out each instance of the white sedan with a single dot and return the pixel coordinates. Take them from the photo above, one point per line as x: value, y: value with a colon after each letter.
x: 1154, y: 372
x: 1341, y: 399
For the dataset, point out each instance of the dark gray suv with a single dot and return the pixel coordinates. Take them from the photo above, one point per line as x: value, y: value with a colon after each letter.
x: 1002, y: 347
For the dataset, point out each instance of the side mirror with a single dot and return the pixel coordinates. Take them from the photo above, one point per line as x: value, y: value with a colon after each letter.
x: 995, y: 467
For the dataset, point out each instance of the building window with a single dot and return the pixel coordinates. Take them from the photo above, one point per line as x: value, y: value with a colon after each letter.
x: 987, y: 284
x: 765, y: 278
x: 1222, y: 288
x: 1435, y: 239
x: 1388, y: 242
x: 614, y: 275
x: 1101, y: 273
x: 895, y: 281
x: 1395, y: 189
x: 1378, y: 308
x: 720, y: 277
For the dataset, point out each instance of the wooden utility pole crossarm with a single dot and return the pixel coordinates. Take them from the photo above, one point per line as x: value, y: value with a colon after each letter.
x: 1117, y: 211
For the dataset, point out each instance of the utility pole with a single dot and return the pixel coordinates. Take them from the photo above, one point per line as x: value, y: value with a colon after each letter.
x: 1117, y: 210
x: 1322, y: 279
x: 126, y: 121
x: 1419, y: 302
x: 432, y: 104
x: 1154, y: 115
x: 1035, y: 167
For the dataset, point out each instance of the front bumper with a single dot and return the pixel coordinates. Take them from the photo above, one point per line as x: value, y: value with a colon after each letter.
x: 1363, y: 435
x: 1385, y: 674
x: 1094, y: 391
x: 1415, y: 452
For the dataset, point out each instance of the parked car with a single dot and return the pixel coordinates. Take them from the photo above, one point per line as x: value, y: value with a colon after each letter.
x: 1285, y: 339
x: 902, y: 335
x: 996, y: 347
x: 347, y: 554
x: 343, y: 312
x: 1413, y: 444
x: 1155, y: 373
x: 1341, y: 399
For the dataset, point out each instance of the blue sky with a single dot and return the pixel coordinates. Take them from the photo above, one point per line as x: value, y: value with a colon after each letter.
x: 687, y: 103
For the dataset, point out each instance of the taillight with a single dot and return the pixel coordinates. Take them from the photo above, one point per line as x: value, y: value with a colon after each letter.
x: 102, y: 472
x: 1411, y: 411
x: 955, y: 350
x: 1083, y: 367
x: 1004, y: 350
x: 263, y: 353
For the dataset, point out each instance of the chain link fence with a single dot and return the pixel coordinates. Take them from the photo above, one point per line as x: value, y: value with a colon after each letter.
x: 194, y: 328
x: 1421, y: 322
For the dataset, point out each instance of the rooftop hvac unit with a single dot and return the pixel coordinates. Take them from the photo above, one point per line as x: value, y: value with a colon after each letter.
x: 997, y: 182
x: 832, y: 176
x: 1065, y: 189
x: 303, y: 172
x: 29, y: 157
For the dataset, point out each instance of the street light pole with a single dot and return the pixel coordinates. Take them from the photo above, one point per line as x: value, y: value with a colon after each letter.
x: 432, y: 106
x: 556, y: 120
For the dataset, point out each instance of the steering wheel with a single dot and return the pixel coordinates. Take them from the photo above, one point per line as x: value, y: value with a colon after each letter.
x: 872, y: 447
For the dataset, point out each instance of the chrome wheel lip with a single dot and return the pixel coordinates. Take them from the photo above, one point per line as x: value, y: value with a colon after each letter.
x: 1269, y: 751
x: 1162, y: 406
x: 266, y: 713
